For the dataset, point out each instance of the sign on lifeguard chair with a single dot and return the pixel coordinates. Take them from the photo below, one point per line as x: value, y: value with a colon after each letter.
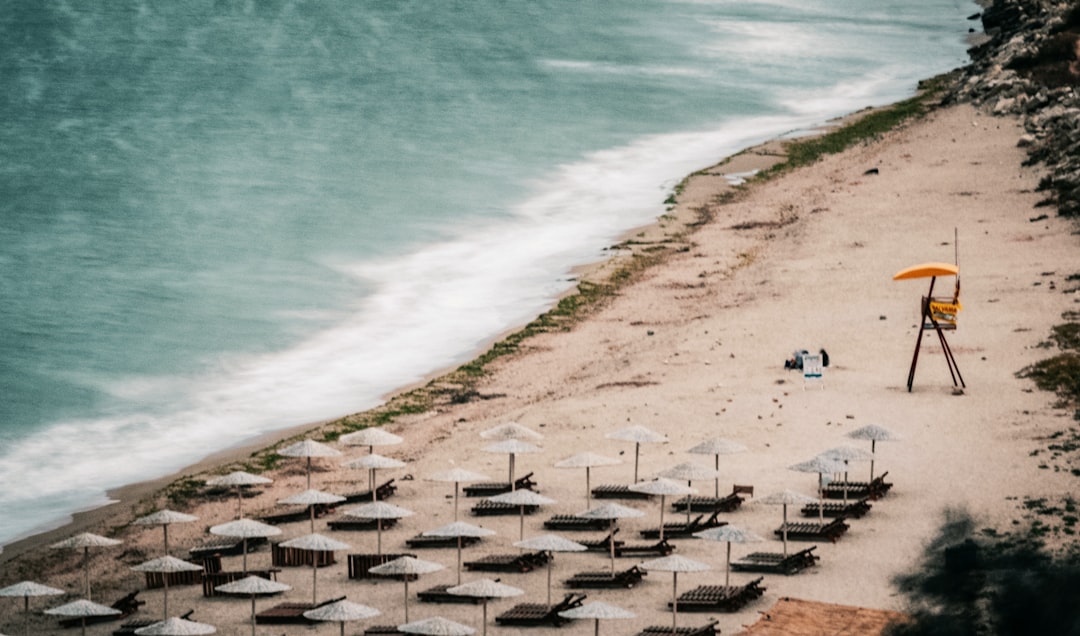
x: 812, y: 368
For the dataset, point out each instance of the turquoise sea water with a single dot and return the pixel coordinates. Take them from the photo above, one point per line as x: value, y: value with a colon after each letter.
x: 218, y: 218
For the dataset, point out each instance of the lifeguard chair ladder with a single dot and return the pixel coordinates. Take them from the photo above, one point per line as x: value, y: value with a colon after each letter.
x: 938, y: 314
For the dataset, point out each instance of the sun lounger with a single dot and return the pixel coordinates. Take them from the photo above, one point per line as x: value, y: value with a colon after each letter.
x: 382, y: 630
x: 574, y: 523
x: 492, y: 488
x: 302, y: 514
x: 776, y: 563
x: 282, y: 557
x: 127, y: 606
x: 605, y: 579
x: 212, y: 580
x: 602, y: 545
x: 438, y: 594
x: 661, y: 630
x: 683, y: 530
x: 225, y: 546
x: 488, y: 508
x: 719, y: 598
x: 617, y: 491
x: 660, y: 548
x: 697, y: 503
x: 510, y: 562
x: 852, y: 509
x: 290, y: 613
x: 858, y: 489
x: 807, y: 531
x: 382, y: 491
x: 360, y: 564
x: 358, y: 524
x: 420, y: 541
x: 128, y: 628
x: 540, y: 614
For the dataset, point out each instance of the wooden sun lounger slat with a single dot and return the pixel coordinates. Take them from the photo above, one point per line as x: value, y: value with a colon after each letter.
x: 574, y: 523
x: 540, y: 614
x: 438, y: 594
x: 852, y: 509
x: 661, y: 630
x: 777, y: 563
x: 807, y: 531
x: 420, y: 541
x: 360, y: 564
x: 491, y: 488
x: 509, y: 562
x: 383, y: 491
x: 488, y: 508
x: 617, y: 491
x: 683, y: 530
x: 210, y: 581
x: 304, y: 514
x: 698, y: 503
x: 282, y: 557
x: 382, y: 630
x: 225, y: 546
x: 719, y: 598
x: 606, y: 580
x: 358, y: 525
x: 156, y: 580
x: 290, y: 613
x: 660, y: 548
x: 858, y: 489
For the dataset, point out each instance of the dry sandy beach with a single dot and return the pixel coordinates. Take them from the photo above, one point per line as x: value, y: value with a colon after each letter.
x: 695, y: 350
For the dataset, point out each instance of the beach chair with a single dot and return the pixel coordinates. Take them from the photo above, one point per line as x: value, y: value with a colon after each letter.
x: 302, y: 514
x: 540, y: 614
x: 698, y: 503
x: 683, y: 530
x: 617, y: 491
x: 606, y: 579
x: 661, y: 630
x: 358, y: 524
x: 382, y: 491
x: 852, y: 509
x: 382, y: 630
x: 604, y: 544
x: 420, y: 541
x: 873, y: 490
x: 488, y: 508
x: 660, y: 548
x: 282, y: 557
x: 225, y: 546
x: 126, y: 605
x: 290, y: 613
x: 492, y: 488
x: 520, y: 563
x: 806, y: 531
x: 361, y: 564
x: 776, y: 563
x: 719, y: 598
x: 438, y: 594
x: 211, y: 580
x: 128, y: 628
x: 574, y: 523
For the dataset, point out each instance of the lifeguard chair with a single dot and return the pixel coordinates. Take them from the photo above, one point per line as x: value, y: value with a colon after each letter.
x: 938, y: 314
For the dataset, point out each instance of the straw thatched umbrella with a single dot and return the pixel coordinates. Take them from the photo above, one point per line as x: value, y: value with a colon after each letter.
x: 847, y: 454
x: 786, y: 498
x: 674, y: 563
x: 175, y: 626
x: 512, y: 447
x: 728, y: 534
x: 26, y: 589
x: 245, y: 529
x: 239, y: 479
x: 165, y: 566
x: 405, y: 567
x: 663, y: 487
x: 511, y: 430
x: 522, y: 498
x: 315, y: 543
x: 312, y: 498
x: 875, y: 434
x: 341, y: 612
x: 86, y: 541
x: 485, y: 589
x: 371, y: 437
x: 253, y: 586
x: 165, y: 518
x: 82, y: 609
x: 690, y: 472
x: 717, y: 447
x: 550, y: 543
x: 459, y: 529
x: 309, y: 448
x: 822, y: 466
x: 597, y: 611
x: 371, y: 463
x: 457, y: 476
x: 379, y: 510
x: 587, y: 460
x: 638, y: 435
x: 612, y: 512
x: 436, y: 626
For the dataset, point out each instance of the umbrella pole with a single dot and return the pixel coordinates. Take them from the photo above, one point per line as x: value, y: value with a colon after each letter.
x: 378, y: 537
x: 244, y: 548
x: 252, y: 615
x: 314, y: 577
x: 727, y: 566
x: 596, y: 630
x: 309, y: 473
x: 674, y: 602
x: 459, y: 560
x: 342, y: 628
x: 84, y: 625
x: 689, y: 503
x: 873, y: 443
x: 311, y: 509
x: 239, y: 503
x: 371, y: 485
x: 845, y: 485
x: 637, y: 452
x: 455, y: 500
x: 165, y: 527
x: 716, y: 491
x: 484, y: 629
x: 26, y: 610
x: 86, y: 577
x: 521, y: 523
x: 785, y: 530
x: 661, y: 518
x: 406, y: 577
x: 821, y: 499
x: 588, y: 490
x: 511, y: 472
x: 611, y: 545
x: 549, y: 582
